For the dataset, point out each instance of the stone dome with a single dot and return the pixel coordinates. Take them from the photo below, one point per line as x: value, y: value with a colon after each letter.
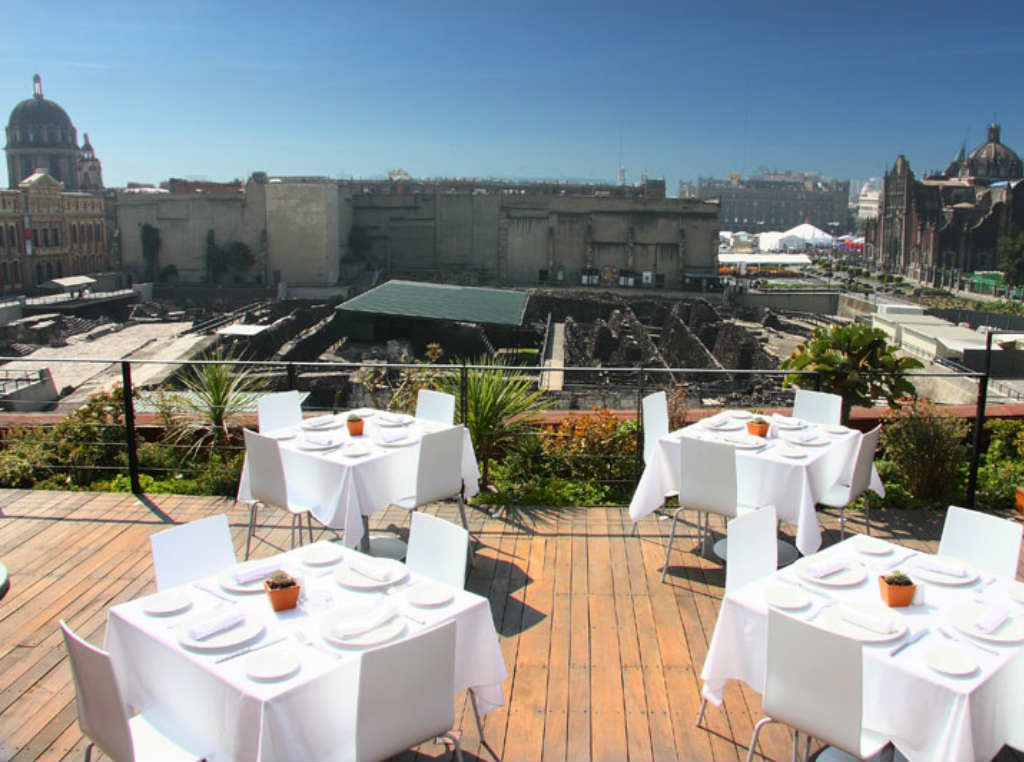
x: 993, y: 161
x: 37, y: 121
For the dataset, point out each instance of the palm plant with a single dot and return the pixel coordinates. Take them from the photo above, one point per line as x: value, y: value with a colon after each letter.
x: 500, y: 404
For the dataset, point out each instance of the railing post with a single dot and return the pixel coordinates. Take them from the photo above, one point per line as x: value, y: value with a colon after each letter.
x: 979, y: 422
x: 129, y: 427
x: 638, y: 455
x: 463, y: 387
x: 817, y: 380
x: 292, y: 380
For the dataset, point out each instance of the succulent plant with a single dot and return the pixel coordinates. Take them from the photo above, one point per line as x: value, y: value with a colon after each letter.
x: 280, y: 579
x: 897, y: 577
x: 354, y: 418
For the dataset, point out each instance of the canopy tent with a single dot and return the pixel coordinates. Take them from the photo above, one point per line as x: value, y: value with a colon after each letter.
x: 812, y: 235
x: 774, y: 240
x: 763, y: 260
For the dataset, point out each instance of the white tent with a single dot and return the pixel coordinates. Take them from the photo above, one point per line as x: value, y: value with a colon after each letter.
x: 773, y: 240
x: 812, y: 235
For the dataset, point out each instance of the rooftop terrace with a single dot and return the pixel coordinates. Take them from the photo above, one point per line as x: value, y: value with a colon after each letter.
x: 603, y: 659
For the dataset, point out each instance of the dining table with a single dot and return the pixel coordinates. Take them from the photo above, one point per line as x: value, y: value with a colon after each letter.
x: 343, y: 478
x: 211, y: 662
x: 791, y: 468
x: 942, y: 677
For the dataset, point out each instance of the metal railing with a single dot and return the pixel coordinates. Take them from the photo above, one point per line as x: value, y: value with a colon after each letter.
x: 126, y: 444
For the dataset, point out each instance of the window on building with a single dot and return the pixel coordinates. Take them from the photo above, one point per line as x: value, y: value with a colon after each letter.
x: 49, y: 271
x: 46, y: 237
x: 12, y: 237
x: 35, y: 238
x: 74, y: 234
x: 60, y: 270
x: 88, y: 232
x: 56, y: 237
x: 3, y: 271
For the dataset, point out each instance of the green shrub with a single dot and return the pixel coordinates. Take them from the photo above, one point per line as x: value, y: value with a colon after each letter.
x: 18, y: 468
x: 927, y: 448
x: 997, y: 483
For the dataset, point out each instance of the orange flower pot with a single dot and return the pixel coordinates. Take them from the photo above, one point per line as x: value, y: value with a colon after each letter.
x: 757, y: 429
x: 895, y: 596
x: 282, y: 598
x: 355, y: 428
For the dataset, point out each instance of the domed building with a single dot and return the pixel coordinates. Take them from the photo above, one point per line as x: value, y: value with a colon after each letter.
x: 988, y: 163
x: 40, y: 135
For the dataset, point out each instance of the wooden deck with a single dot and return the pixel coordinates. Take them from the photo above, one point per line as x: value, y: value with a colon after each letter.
x: 603, y: 659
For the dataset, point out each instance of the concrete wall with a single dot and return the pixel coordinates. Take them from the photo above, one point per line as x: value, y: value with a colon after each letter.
x: 826, y: 302
x: 38, y: 395
x: 1004, y: 363
x: 304, y: 239
x: 851, y: 306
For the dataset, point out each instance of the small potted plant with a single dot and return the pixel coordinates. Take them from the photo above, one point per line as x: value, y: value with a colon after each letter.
x: 897, y: 589
x: 355, y: 425
x: 757, y: 426
x: 282, y: 590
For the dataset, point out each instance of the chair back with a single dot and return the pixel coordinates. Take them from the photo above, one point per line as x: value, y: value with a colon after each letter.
x: 860, y: 477
x: 438, y: 467
x: 266, y: 471
x: 278, y: 410
x: 818, y: 407
x: 437, y: 549
x: 753, y: 548
x: 989, y: 543
x: 813, y: 681
x: 405, y: 693
x: 435, y: 406
x: 101, y: 713
x: 192, y: 551
x: 655, y: 418
x: 708, y: 476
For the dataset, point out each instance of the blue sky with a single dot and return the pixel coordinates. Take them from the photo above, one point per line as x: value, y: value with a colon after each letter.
x: 220, y: 89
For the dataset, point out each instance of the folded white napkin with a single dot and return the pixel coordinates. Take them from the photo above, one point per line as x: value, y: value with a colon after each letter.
x: 322, y: 440
x: 942, y: 566
x: 391, y: 436
x: 875, y: 622
x: 803, y: 436
x: 992, y: 619
x: 319, y: 422
x: 248, y: 574
x: 359, y: 624
x: 785, y: 419
x: 369, y: 568
x: 394, y: 418
x: 828, y: 566
x: 213, y: 625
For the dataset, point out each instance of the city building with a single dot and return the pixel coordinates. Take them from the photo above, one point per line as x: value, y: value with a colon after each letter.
x: 948, y: 224
x: 777, y: 201
x: 869, y: 201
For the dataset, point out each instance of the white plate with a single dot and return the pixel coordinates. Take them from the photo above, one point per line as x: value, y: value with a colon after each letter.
x: 226, y: 581
x: 406, y: 440
x: 817, y: 441
x: 428, y: 595
x: 835, y: 430
x: 238, y: 635
x: 166, y: 603
x: 853, y: 574
x: 322, y: 423
x: 322, y: 554
x: 305, y: 444
x: 355, y: 450
x: 364, y: 412
x: 1016, y: 591
x: 872, y: 546
x: 725, y: 424
x: 350, y: 578
x: 741, y: 415
x: 282, y: 436
x: 950, y: 660
x: 390, y: 630
x: 403, y: 420
x: 939, y: 578
x: 790, y: 598
x: 965, y: 615
x: 271, y: 664
x: 745, y: 441
x: 787, y: 450
x: 833, y: 620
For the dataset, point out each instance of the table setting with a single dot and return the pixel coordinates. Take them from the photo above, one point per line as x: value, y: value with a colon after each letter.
x: 941, y: 673
x: 791, y: 466
x: 214, y: 659
x: 345, y: 476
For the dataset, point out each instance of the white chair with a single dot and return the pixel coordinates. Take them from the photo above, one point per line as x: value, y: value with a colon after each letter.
x: 435, y: 406
x: 840, y: 495
x: 101, y: 711
x: 813, y: 684
x: 707, y: 484
x: 818, y: 407
x: 655, y: 420
x: 438, y: 549
x: 989, y: 543
x: 438, y: 477
x: 406, y: 695
x: 752, y: 555
x: 278, y: 411
x: 192, y: 551
x: 269, y: 486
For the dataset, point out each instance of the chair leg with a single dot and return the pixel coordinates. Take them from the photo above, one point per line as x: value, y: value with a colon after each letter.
x: 807, y: 747
x: 88, y: 751
x: 757, y: 732
x: 671, y: 538
x: 703, y: 707
x: 309, y: 523
x: 796, y: 746
x: 252, y: 529
x: 633, y: 530
x: 867, y: 513
x: 480, y: 726
x: 456, y: 743
x: 842, y: 523
x: 465, y: 525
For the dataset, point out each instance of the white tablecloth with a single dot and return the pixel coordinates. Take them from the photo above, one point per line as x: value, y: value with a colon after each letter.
x: 343, y: 489
x: 764, y: 477
x: 311, y: 715
x: 927, y: 715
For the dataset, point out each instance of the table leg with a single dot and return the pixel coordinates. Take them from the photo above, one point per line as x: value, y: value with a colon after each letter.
x: 480, y: 726
x: 364, y: 543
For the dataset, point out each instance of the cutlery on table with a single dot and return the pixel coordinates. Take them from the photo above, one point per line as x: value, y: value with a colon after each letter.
x: 249, y: 650
x: 909, y: 641
x: 961, y: 639
x: 211, y: 591
x: 305, y: 640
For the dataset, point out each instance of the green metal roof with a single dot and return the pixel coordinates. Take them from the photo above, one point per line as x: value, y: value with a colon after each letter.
x: 438, y: 301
